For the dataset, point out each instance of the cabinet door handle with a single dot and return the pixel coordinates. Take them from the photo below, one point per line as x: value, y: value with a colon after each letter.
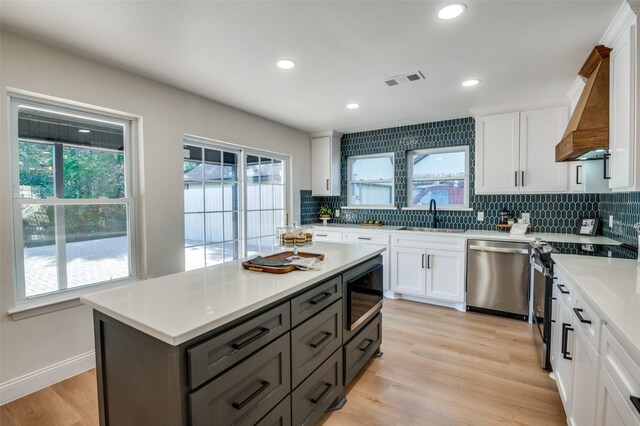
x: 522, y: 180
x: 582, y: 319
x: 326, y: 334
x: 422, y: 260
x: 323, y: 296
x: 365, y: 238
x: 261, y: 332
x: 636, y: 402
x: 578, y: 170
x: 328, y: 387
x: 428, y: 261
x: 321, y: 235
x: 262, y: 386
x: 565, y: 340
x: 605, y: 161
x: 563, y: 289
x: 327, y: 184
x: 368, y: 345
x: 516, y: 178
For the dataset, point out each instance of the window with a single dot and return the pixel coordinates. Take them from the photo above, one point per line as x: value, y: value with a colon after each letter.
x: 370, y: 180
x: 72, y: 197
x: 233, y: 201
x: 440, y: 174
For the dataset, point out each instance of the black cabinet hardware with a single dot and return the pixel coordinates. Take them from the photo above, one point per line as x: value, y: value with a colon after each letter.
x: 326, y: 335
x: 365, y: 238
x: 328, y: 387
x: 579, y: 312
x: 262, y: 386
x: 515, y: 174
x: 327, y: 184
x: 428, y: 261
x: 522, y: 180
x: 565, y: 340
x: 422, y: 260
x: 605, y: 166
x: 323, y: 296
x: 368, y: 345
x: 563, y: 289
x: 636, y: 402
x: 578, y: 175
x: 261, y: 332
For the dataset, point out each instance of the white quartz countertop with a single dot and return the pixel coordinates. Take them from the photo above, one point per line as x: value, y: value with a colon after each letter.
x: 355, y: 226
x: 612, y: 287
x: 178, y: 307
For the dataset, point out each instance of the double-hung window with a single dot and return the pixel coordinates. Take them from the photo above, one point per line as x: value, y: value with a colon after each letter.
x: 234, y: 198
x: 370, y: 180
x: 72, y: 197
x: 440, y: 174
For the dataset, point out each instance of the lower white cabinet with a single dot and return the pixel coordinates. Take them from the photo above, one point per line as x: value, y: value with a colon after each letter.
x: 431, y: 273
x: 585, y: 379
x: 563, y: 348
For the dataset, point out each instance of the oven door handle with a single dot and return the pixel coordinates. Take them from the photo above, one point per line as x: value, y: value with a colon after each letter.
x: 499, y: 250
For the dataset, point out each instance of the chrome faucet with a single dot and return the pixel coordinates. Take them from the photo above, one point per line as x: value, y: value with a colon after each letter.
x: 432, y: 210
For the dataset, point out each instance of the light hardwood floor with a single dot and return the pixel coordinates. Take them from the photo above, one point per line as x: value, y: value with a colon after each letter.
x: 440, y: 367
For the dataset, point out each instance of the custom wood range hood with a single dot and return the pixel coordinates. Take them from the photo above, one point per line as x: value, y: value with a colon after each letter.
x: 588, y: 128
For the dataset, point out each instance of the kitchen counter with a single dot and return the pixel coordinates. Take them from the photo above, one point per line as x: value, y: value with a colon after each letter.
x: 356, y: 226
x: 612, y: 286
x: 175, y: 308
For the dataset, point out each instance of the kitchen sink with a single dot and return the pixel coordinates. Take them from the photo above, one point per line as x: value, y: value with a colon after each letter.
x: 441, y: 230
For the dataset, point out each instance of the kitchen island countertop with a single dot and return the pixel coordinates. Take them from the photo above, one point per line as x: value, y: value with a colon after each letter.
x: 176, y: 308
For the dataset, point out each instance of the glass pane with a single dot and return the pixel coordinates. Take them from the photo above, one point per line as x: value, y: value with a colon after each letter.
x: 230, y: 194
x: 194, y: 257
x: 89, y: 173
x: 212, y: 164
x: 371, y: 168
x: 266, y: 196
x: 253, y: 224
x: 265, y: 170
x: 193, y: 229
x: 448, y: 192
x: 193, y: 201
x: 253, y: 169
x: 231, y: 251
x: 253, y: 196
x: 277, y: 172
x: 35, y: 167
x: 192, y: 170
x: 213, y: 196
x: 267, y: 223
x: 193, y: 153
x: 278, y: 197
x: 253, y: 247
x: 439, y: 165
x: 40, y: 260
x: 214, y: 228
x: 375, y: 194
x: 278, y: 218
x: 230, y: 169
x: 97, y: 244
x: 230, y: 226
x: 212, y: 156
x: 215, y: 254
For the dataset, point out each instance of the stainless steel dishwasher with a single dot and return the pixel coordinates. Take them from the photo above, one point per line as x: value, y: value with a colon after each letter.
x: 498, y: 277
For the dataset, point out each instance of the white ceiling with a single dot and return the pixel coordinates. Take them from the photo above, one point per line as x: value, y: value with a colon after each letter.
x: 523, y: 51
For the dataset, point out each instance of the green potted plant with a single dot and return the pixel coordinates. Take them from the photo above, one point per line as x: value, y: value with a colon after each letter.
x: 325, y: 211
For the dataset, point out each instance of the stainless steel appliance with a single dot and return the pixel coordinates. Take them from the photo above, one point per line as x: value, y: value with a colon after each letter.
x: 363, y: 290
x: 498, y: 278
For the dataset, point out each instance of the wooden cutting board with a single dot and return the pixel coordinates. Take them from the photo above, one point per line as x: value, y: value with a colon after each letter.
x: 279, y: 256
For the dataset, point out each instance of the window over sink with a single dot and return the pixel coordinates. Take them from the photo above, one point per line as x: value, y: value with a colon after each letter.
x: 370, y: 180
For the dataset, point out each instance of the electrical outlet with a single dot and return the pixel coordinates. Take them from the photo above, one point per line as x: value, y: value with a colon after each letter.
x: 610, y: 221
x: 480, y: 216
x: 337, y: 212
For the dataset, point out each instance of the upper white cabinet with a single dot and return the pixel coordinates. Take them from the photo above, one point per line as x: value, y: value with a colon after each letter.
x: 515, y: 152
x: 623, y: 117
x: 325, y: 164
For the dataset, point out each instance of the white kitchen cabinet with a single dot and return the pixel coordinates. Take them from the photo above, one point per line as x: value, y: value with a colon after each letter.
x: 407, y: 271
x: 373, y: 239
x: 585, y: 378
x: 515, y: 152
x: 325, y: 164
x: 564, y: 354
x: 623, y: 117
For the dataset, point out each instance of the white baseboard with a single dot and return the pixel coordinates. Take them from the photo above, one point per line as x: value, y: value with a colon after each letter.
x: 40, y: 379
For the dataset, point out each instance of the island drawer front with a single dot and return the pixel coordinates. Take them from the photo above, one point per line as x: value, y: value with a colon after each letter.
x: 314, y: 340
x: 247, y: 392
x: 279, y: 416
x: 358, y: 238
x: 312, y: 398
x: 359, y: 350
x: 326, y: 235
x: 313, y: 301
x: 210, y: 358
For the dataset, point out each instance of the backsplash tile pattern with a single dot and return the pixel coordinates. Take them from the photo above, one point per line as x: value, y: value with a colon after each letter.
x: 625, y: 208
x: 549, y: 212
x: 308, y: 207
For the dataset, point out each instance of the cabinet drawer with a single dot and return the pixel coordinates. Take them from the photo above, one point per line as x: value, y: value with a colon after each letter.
x: 325, y: 235
x: 244, y: 394
x: 210, y: 358
x: 317, y: 393
x: 358, y: 351
x: 588, y: 321
x: 426, y: 240
x: 279, y: 416
x: 563, y: 291
x: 358, y: 238
x: 314, y: 340
x: 313, y: 301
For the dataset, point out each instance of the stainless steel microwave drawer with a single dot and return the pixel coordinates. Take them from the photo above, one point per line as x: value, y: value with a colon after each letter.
x: 313, y: 301
x: 210, y: 358
x: 314, y: 340
x: 247, y: 392
x: 360, y: 349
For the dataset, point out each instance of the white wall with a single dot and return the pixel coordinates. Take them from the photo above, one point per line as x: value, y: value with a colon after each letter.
x: 34, y: 343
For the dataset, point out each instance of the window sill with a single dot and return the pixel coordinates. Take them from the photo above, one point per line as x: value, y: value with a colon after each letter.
x: 438, y: 208
x: 57, y: 302
x: 368, y: 208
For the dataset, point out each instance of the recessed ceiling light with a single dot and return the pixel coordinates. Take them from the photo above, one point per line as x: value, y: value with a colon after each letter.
x: 84, y: 131
x: 451, y: 11
x: 286, y: 64
x: 470, y: 83
x: 353, y: 106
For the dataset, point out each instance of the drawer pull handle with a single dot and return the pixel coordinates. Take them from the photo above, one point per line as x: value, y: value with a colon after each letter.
x: 326, y: 336
x: 563, y: 289
x: 636, y: 402
x: 262, y: 386
x: 328, y: 387
x: 322, y: 235
x: 368, y: 345
x: 365, y: 238
x: 261, y: 332
x: 582, y: 319
x: 323, y: 296
x: 565, y: 340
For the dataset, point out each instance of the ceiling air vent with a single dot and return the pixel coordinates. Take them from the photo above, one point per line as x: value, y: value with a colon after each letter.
x: 404, y: 78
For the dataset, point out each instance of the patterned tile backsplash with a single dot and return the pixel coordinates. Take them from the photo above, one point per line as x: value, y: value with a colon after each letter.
x: 625, y: 208
x: 549, y: 212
